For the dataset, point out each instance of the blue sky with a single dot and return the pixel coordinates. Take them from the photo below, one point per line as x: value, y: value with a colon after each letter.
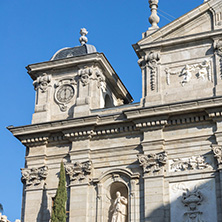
x: 33, y: 30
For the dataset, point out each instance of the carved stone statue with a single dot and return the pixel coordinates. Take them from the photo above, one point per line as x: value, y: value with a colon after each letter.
x: 119, y: 208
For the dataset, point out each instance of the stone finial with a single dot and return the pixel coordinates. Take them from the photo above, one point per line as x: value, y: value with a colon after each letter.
x: 154, y: 18
x: 83, y: 39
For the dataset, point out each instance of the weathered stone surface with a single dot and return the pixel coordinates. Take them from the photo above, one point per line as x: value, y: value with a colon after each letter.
x: 163, y: 154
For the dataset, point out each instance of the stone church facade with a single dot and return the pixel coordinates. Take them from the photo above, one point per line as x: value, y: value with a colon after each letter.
x: 162, y: 156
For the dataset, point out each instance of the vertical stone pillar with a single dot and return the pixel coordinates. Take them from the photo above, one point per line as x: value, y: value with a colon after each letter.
x: 99, y: 210
x: 134, y: 214
x: 142, y: 64
x: 154, y: 202
x: 153, y: 161
x: 216, y: 115
x: 79, y: 203
x: 43, y: 94
x: 79, y: 171
x: 95, y: 87
x: 218, y: 65
x: 32, y: 208
x: 150, y: 78
x: 33, y: 200
x: 88, y: 95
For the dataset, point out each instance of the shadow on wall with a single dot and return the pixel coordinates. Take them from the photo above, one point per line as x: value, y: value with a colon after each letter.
x: 44, y: 214
x: 191, y: 201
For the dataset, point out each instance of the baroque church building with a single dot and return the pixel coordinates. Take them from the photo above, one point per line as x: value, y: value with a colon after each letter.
x: 159, y: 160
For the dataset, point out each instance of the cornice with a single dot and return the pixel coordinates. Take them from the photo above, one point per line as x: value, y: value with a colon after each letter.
x: 100, y: 58
x: 129, y: 121
x: 174, y: 108
x: 179, y: 40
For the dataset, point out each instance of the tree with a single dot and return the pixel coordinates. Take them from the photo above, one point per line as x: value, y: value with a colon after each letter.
x: 1, y: 208
x: 59, y: 206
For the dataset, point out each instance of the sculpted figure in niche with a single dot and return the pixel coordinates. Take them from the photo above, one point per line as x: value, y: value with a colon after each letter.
x: 119, y: 208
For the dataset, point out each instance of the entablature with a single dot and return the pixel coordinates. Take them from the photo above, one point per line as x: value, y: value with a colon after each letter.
x: 130, y: 121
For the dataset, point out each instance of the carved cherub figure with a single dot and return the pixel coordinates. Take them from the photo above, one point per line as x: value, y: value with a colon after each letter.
x: 204, y: 69
x: 187, y: 74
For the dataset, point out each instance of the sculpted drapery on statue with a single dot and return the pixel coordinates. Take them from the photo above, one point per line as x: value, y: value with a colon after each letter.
x: 119, y: 208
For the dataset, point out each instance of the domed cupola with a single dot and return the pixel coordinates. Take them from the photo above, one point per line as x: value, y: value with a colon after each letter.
x: 84, y: 49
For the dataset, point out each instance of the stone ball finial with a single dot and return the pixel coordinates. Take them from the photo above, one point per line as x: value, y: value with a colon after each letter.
x: 154, y: 18
x: 83, y: 39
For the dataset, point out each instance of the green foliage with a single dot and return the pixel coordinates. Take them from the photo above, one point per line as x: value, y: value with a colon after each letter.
x: 59, y: 207
x: 1, y: 208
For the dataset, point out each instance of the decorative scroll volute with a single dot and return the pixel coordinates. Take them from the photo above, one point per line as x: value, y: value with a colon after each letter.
x: 34, y: 176
x: 218, y: 47
x: 152, y: 60
x: 78, y: 171
x: 152, y: 163
x: 84, y: 75
x: 217, y: 150
x: 42, y: 82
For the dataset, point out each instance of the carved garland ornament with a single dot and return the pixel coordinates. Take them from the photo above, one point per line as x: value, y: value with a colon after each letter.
x: 78, y: 171
x: 193, y: 163
x: 202, y: 70
x: 34, y: 176
x: 152, y: 163
x: 42, y: 82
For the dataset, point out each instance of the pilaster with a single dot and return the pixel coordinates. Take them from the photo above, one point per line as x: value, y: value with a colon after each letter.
x: 218, y: 65
x: 153, y: 161
x: 79, y: 203
x: 43, y: 93
x: 150, y: 66
x: 33, y: 200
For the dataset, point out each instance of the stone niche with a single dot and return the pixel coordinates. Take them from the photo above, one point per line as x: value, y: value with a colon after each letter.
x: 193, y: 201
x: 108, y: 188
x: 113, y: 189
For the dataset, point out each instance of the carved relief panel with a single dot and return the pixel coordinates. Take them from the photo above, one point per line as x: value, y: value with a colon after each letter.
x: 192, y: 163
x: 190, y: 72
x: 193, y: 201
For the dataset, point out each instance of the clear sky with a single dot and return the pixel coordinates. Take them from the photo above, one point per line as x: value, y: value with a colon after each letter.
x: 33, y: 30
